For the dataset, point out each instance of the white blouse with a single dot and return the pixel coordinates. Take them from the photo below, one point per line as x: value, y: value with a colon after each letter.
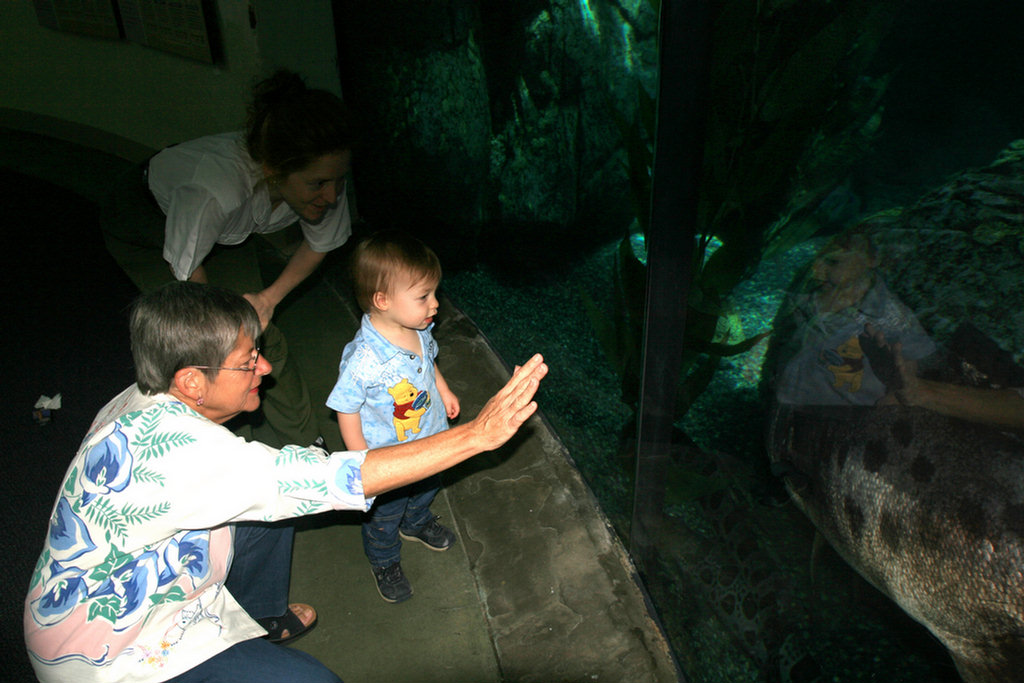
x: 212, y: 192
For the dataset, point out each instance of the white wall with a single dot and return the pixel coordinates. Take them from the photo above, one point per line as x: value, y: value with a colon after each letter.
x: 299, y: 36
x: 127, y: 99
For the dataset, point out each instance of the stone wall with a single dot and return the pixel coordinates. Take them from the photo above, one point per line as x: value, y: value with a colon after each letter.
x: 492, y: 122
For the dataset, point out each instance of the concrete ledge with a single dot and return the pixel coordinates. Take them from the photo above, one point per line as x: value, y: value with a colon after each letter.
x: 559, y: 591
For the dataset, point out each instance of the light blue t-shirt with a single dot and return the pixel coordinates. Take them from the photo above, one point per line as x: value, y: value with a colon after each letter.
x: 823, y: 364
x: 394, y: 391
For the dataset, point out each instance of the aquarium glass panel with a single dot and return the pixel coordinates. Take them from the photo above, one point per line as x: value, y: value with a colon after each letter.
x: 840, y: 498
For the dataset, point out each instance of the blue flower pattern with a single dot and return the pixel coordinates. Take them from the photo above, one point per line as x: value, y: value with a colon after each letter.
x: 188, y: 555
x: 61, y: 594
x: 123, y: 594
x: 350, y: 477
x: 133, y: 583
x: 69, y: 536
x: 107, y: 466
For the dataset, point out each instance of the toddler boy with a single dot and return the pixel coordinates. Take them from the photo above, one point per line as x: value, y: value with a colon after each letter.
x: 831, y: 331
x: 389, y: 390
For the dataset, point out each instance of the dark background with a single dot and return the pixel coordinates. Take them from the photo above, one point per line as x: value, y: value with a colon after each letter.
x: 65, y: 331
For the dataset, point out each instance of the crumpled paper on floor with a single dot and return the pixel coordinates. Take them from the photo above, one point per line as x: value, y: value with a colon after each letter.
x: 43, y: 408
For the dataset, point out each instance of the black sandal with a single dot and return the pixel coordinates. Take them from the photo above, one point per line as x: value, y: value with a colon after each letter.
x: 290, y: 622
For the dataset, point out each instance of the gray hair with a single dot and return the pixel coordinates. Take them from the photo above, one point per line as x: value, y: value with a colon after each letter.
x: 183, y: 324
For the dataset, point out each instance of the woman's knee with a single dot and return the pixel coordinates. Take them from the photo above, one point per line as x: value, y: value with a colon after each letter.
x: 300, y: 667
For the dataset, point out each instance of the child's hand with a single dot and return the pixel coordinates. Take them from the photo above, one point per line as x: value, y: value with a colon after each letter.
x: 451, y: 404
x: 450, y: 400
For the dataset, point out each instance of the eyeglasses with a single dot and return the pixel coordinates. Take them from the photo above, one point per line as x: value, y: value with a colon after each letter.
x: 251, y: 367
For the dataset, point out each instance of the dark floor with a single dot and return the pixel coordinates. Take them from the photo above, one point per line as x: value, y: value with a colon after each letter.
x: 538, y: 588
x: 66, y: 322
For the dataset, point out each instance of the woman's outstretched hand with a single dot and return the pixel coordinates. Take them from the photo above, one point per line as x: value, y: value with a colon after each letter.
x: 894, y: 371
x: 886, y: 359
x: 503, y: 415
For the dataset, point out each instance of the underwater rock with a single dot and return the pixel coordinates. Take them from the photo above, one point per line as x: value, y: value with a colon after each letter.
x: 928, y: 509
x: 955, y: 255
x: 485, y: 115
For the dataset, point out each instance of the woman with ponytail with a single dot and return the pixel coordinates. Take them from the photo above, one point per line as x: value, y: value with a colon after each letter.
x: 190, y: 212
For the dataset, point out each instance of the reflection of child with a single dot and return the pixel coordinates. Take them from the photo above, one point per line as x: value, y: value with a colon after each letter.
x: 389, y: 390
x: 823, y: 362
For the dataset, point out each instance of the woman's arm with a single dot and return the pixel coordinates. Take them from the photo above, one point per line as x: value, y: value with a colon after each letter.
x: 997, y: 407
x: 300, y: 266
x: 394, y: 466
x: 199, y: 275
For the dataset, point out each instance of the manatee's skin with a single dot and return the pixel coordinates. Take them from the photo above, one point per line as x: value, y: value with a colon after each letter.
x: 927, y: 508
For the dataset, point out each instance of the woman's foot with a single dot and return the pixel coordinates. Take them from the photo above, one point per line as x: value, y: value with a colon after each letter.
x: 297, y: 621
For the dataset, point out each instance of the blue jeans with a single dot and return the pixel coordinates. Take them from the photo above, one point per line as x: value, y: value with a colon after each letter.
x: 261, y: 569
x: 258, y: 660
x: 406, y: 509
x: 258, y: 580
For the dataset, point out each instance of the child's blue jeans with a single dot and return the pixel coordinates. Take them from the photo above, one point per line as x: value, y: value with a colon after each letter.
x: 406, y: 509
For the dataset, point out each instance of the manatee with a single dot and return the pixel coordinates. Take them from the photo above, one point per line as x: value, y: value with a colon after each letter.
x: 929, y: 509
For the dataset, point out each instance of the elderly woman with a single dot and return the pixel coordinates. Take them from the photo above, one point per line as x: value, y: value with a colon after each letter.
x: 153, y: 569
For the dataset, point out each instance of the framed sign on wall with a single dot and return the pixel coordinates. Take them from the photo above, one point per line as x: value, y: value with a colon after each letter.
x: 187, y: 28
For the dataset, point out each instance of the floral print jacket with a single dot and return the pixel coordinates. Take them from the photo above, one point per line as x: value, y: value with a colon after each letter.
x: 129, y: 586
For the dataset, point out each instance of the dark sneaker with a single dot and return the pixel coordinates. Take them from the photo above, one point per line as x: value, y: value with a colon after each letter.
x: 433, y: 535
x: 391, y: 583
